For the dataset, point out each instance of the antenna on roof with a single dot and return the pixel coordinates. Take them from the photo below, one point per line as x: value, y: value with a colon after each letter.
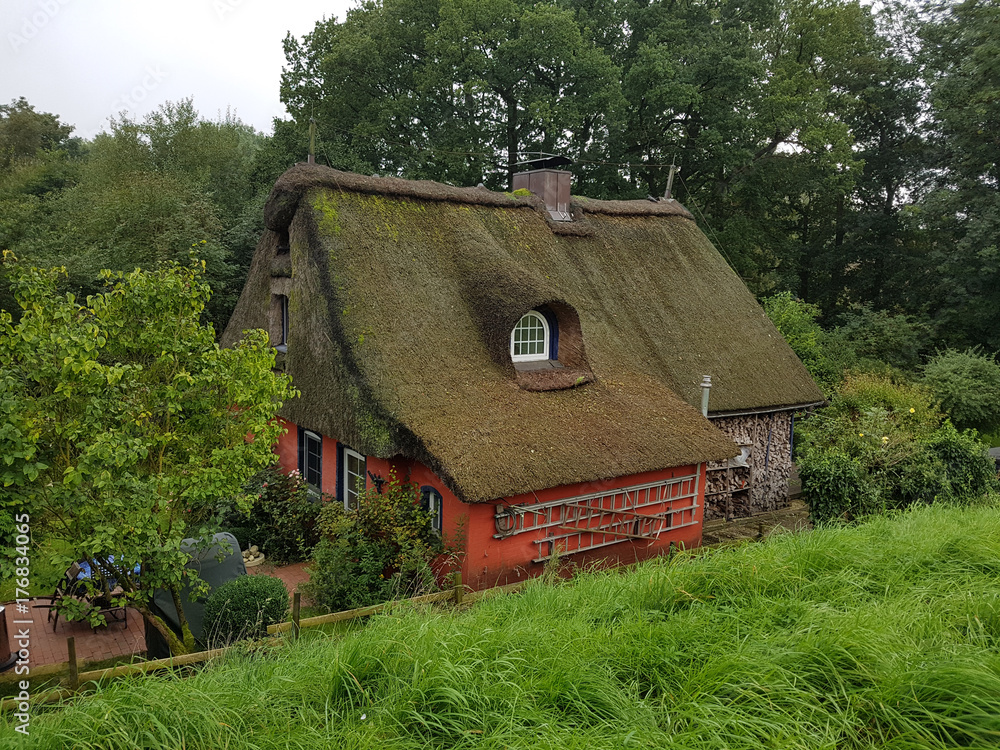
x: 670, y: 179
x: 312, y: 140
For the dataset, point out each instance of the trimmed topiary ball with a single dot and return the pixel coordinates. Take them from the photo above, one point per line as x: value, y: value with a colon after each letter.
x: 243, y: 608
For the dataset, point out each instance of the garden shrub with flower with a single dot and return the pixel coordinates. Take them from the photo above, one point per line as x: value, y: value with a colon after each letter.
x: 882, y: 443
x: 283, y: 520
x: 381, y: 551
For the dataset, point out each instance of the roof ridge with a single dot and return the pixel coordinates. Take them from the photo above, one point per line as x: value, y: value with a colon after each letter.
x: 297, y: 180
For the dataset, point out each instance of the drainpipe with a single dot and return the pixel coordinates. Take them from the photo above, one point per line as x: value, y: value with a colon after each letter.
x: 706, y: 385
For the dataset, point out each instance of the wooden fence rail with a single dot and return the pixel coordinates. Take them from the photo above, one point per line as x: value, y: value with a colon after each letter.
x: 82, y: 681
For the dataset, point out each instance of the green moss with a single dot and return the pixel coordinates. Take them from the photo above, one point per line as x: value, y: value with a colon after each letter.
x: 326, y: 204
x: 375, y: 434
x: 519, y: 193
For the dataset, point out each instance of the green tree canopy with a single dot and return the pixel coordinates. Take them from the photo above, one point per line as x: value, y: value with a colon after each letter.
x: 146, y: 192
x: 124, y: 424
x: 454, y: 90
x: 963, y: 211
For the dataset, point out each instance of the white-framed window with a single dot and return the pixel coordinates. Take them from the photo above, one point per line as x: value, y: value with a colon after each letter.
x: 312, y: 460
x: 278, y: 324
x: 432, y: 501
x: 529, y: 341
x: 283, y: 304
x: 354, y: 478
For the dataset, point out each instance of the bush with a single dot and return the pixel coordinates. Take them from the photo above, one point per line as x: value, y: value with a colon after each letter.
x: 910, y: 405
x: 879, y: 338
x: 970, y: 470
x: 282, y: 521
x: 381, y: 551
x: 835, y: 486
x: 796, y: 321
x: 881, y: 444
x: 243, y: 608
x: 967, y: 383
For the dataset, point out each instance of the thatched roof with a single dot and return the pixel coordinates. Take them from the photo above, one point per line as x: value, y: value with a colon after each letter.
x: 404, y: 294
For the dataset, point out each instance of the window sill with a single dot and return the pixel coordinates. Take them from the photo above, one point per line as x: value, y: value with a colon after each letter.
x: 538, y: 364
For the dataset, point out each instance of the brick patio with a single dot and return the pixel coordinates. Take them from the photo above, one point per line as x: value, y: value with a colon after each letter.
x: 48, y: 647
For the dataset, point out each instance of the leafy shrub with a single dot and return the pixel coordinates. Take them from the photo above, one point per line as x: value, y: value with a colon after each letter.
x: 967, y: 383
x: 243, y: 608
x: 871, y: 418
x: 796, y: 321
x: 910, y: 405
x: 881, y: 444
x: 380, y: 551
x: 283, y: 519
x: 879, y: 337
x: 969, y: 468
x: 836, y: 486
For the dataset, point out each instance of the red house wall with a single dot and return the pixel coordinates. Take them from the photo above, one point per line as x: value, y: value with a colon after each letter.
x: 288, y: 447
x: 488, y: 561
x: 288, y: 455
x: 495, y: 562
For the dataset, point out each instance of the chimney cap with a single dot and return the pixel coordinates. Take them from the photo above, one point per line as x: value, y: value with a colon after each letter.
x: 545, y: 161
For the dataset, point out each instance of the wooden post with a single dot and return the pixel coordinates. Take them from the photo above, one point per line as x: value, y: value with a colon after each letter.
x: 296, y: 604
x: 459, y: 588
x: 74, y: 672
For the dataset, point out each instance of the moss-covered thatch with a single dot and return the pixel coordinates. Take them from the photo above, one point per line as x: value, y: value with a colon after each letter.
x: 403, y: 298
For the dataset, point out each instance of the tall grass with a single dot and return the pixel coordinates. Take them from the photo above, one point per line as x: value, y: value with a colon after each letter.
x: 886, y: 635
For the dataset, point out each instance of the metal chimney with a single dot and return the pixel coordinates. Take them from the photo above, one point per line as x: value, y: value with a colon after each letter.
x: 551, y: 185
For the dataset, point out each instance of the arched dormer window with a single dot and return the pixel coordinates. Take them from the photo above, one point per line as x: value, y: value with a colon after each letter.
x: 546, y: 349
x: 531, y: 339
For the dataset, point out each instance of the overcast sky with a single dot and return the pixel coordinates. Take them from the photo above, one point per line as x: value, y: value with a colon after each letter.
x: 86, y: 60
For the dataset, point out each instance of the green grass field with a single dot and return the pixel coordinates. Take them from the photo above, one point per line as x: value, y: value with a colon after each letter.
x: 885, y: 635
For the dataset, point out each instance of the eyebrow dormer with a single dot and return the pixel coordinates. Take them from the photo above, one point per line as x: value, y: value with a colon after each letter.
x: 546, y: 349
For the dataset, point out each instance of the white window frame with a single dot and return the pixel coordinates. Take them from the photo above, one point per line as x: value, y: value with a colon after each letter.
x: 283, y: 305
x: 433, y: 502
x: 307, y: 437
x: 546, y: 339
x: 351, y: 494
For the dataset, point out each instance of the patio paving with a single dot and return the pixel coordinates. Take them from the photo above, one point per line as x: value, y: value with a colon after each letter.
x: 48, y: 647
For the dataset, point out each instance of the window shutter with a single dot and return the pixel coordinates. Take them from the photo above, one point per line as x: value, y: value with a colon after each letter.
x: 340, y: 472
x: 553, y: 332
x: 302, y: 452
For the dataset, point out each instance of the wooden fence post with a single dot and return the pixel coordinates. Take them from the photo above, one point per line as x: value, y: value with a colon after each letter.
x: 459, y: 588
x: 296, y: 604
x: 74, y: 672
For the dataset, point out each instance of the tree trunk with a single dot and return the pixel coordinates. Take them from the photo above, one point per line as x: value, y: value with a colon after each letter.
x: 177, y: 647
x: 189, y: 643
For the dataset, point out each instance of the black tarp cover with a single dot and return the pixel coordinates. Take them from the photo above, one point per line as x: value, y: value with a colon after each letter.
x: 210, y: 569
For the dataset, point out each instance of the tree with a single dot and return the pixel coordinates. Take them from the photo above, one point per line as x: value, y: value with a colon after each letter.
x: 24, y: 132
x: 124, y: 424
x: 145, y: 192
x: 962, y: 46
x: 453, y: 90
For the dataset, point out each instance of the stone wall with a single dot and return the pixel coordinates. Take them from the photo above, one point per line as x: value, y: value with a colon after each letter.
x: 762, y: 485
